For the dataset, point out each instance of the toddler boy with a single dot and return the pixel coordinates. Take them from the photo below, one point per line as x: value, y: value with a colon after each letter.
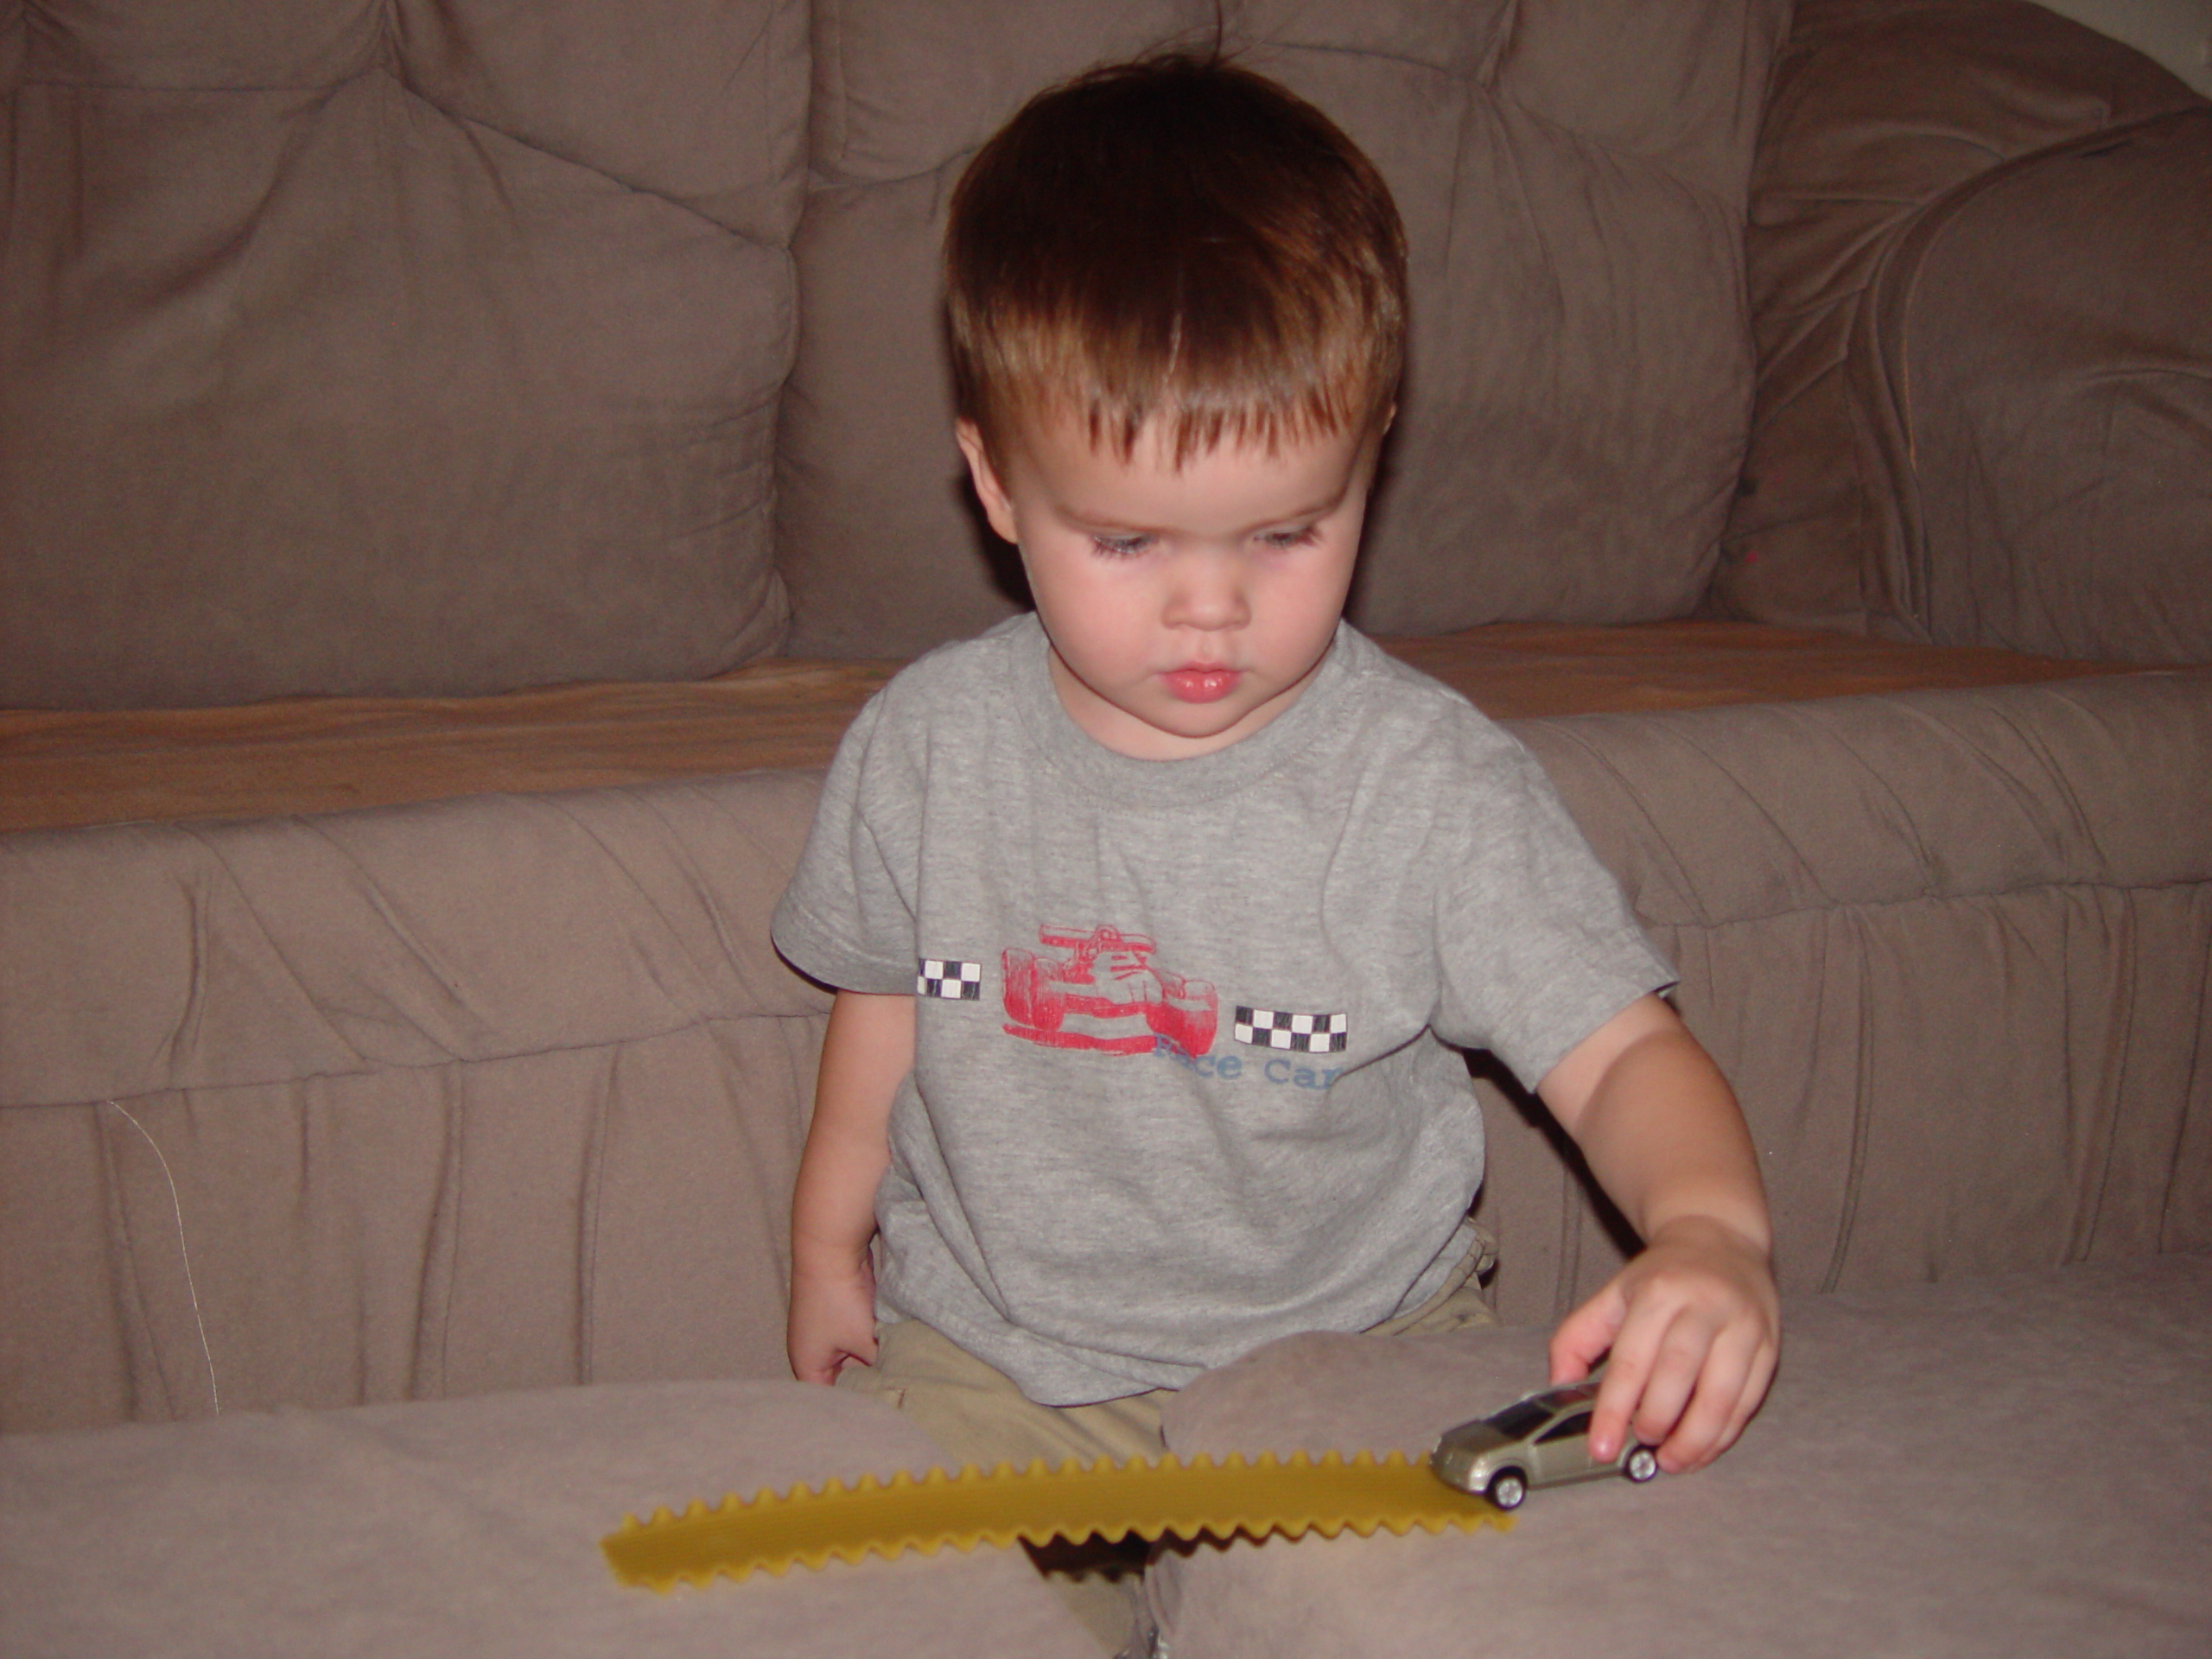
x: 1155, y: 916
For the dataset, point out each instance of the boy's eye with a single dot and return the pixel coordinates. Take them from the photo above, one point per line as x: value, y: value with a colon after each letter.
x: 1280, y: 539
x: 1121, y: 547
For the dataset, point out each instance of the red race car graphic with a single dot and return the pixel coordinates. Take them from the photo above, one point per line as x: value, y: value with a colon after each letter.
x: 1108, y: 980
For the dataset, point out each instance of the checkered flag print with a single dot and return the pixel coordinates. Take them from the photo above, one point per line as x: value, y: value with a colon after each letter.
x: 949, y: 982
x: 1300, y: 1033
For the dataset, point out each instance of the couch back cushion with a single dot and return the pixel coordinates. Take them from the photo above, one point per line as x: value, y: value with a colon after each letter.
x: 390, y: 348
x: 1977, y: 283
x: 1572, y: 175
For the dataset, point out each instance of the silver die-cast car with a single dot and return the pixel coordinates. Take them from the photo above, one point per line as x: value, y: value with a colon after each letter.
x: 1543, y: 1440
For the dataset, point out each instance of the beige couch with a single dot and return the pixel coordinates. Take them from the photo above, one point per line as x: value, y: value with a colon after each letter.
x: 1805, y: 440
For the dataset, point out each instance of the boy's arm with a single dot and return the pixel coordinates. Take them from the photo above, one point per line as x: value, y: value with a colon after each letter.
x: 866, y: 1053
x: 1692, y: 1322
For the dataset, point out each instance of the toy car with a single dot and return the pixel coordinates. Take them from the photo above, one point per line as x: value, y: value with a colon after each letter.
x: 1543, y: 1440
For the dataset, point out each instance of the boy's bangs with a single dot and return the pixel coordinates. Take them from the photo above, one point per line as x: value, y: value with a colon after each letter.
x: 1269, y: 394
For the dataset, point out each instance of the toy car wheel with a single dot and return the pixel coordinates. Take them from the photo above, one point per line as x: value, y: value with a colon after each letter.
x: 1642, y: 1465
x: 1507, y: 1488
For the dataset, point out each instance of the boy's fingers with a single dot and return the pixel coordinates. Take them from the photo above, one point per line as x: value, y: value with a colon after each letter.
x: 1699, y: 1435
x: 1618, y: 1396
x: 1645, y: 1384
x: 1684, y: 1375
x: 819, y: 1345
x: 809, y: 1363
x: 1730, y: 1389
x: 1670, y: 1396
x: 1765, y: 1357
x: 855, y: 1349
x: 824, y: 1370
x: 1661, y: 1365
x: 1583, y: 1336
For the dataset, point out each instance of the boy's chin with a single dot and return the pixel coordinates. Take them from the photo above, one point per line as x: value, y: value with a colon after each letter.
x: 1169, y: 729
x: 1150, y: 722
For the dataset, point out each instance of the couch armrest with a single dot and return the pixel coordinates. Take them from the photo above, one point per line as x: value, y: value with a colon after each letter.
x: 1906, y: 233
x: 2039, y: 386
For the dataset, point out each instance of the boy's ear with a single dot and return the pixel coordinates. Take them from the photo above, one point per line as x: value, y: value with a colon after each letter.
x: 998, y: 506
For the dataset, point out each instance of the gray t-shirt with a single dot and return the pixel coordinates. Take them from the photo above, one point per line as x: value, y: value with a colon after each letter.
x: 1181, y: 1080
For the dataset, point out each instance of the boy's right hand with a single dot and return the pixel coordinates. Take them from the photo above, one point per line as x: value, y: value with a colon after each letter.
x: 832, y: 1322
x: 866, y: 1053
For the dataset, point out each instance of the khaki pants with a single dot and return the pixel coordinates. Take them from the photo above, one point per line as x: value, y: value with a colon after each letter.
x: 976, y: 1415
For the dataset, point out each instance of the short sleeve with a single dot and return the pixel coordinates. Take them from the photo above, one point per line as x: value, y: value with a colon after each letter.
x: 848, y: 916
x: 1536, y: 945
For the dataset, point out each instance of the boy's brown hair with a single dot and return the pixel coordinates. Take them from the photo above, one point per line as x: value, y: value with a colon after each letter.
x: 1180, y: 240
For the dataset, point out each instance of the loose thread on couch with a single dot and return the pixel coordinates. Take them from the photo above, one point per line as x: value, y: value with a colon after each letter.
x: 176, y: 1205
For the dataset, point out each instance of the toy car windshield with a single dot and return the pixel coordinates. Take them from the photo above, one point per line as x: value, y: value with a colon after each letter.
x: 1520, y: 1419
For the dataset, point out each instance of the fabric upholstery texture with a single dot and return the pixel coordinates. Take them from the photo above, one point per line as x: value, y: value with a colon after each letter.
x: 2009, y: 1465
x: 508, y: 1091
x: 423, y: 349
x: 2002, y: 903
x: 1880, y: 110
x: 471, y: 1528
x: 418, y: 348
x: 1571, y: 177
x: 490, y: 1094
x: 2051, y: 437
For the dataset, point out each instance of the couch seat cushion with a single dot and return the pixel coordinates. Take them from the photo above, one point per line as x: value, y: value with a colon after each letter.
x: 2011, y: 1466
x: 471, y: 1527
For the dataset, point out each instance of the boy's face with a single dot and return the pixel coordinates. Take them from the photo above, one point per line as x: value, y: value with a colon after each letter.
x: 1188, y: 606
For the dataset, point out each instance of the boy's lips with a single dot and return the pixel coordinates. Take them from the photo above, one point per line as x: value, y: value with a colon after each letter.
x: 1201, y: 684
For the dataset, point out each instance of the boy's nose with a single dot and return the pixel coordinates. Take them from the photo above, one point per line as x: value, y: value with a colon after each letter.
x: 1208, y: 592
